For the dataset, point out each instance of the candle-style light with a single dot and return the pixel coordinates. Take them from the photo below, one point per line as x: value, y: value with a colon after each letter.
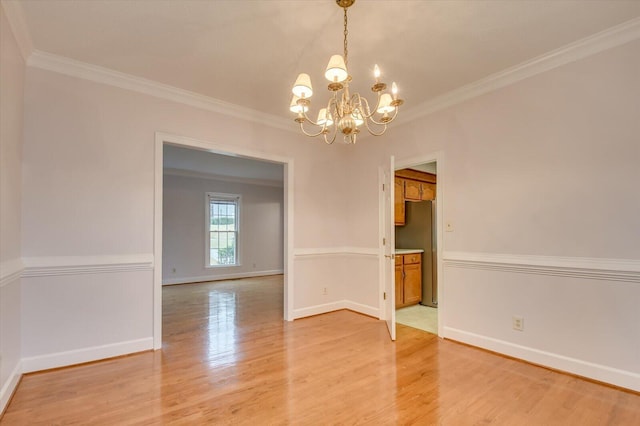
x: 345, y: 112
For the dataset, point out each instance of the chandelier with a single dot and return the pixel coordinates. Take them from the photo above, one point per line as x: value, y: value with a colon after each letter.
x: 345, y: 112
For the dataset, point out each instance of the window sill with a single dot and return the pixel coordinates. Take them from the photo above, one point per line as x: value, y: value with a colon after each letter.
x: 237, y: 265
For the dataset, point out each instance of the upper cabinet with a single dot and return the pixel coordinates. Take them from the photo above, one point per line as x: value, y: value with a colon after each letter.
x: 412, y: 185
x: 412, y: 190
x: 398, y: 202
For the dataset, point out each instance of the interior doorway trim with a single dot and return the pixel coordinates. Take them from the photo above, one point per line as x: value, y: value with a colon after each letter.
x: 438, y: 158
x: 161, y: 139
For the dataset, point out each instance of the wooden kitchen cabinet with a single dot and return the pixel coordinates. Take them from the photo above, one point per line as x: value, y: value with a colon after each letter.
x: 408, y: 279
x: 398, y: 202
x: 412, y: 190
x: 411, y: 185
x: 412, y: 289
x: 427, y: 191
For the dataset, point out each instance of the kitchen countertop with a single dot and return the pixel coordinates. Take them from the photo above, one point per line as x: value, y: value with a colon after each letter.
x: 409, y: 251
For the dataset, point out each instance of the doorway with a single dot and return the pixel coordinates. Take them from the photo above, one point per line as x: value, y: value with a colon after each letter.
x: 418, y: 243
x: 163, y: 139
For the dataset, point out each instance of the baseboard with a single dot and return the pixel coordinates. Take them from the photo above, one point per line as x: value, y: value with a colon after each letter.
x: 318, y: 309
x: 335, y: 306
x: 186, y: 280
x: 9, y: 387
x: 371, y: 311
x: 79, y: 356
x: 602, y: 373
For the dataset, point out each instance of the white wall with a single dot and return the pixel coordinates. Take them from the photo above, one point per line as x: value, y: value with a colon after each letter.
x: 540, y: 184
x: 261, y: 229
x: 12, y: 70
x: 553, y: 158
x: 88, y: 187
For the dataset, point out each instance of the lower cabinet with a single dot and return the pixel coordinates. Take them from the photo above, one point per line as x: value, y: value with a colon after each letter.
x: 408, y: 279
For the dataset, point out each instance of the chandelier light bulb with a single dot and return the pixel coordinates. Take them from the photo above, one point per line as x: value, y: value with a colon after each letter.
x: 336, y: 70
x: 324, y: 119
x: 385, y: 104
x: 376, y: 72
x: 394, y: 90
x: 295, y: 108
x: 302, y: 87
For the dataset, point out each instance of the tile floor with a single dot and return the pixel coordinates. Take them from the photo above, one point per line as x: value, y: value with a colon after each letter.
x: 418, y: 316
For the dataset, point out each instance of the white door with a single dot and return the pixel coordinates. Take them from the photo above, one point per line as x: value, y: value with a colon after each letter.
x: 389, y: 247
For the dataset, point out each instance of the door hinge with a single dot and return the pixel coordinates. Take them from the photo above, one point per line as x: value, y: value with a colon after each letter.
x: 383, y: 187
x: 384, y: 295
x: 384, y: 241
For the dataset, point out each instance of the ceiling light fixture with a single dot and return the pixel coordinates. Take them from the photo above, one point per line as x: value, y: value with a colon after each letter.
x: 345, y: 112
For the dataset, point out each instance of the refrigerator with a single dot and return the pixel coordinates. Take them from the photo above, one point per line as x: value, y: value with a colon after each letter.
x: 419, y: 232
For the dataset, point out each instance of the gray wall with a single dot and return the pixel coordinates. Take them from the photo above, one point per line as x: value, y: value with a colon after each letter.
x: 261, y: 229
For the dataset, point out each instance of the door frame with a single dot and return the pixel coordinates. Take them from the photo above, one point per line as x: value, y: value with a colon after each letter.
x: 438, y: 158
x: 386, y: 266
x: 161, y: 139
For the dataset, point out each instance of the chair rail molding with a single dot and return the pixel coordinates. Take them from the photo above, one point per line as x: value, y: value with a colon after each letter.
x: 73, y: 265
x: 625, y: 270
x: 10, y: 271
x: 335, y: 251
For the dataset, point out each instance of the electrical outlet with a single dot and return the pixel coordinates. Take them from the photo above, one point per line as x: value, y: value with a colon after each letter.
x: 325, y: 291
x: 518, y: 323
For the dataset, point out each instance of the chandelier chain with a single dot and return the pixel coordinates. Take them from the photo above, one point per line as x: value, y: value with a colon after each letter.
x: 346, y: 32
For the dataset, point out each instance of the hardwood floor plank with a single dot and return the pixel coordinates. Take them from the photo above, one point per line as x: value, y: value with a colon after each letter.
x: 229, y: 358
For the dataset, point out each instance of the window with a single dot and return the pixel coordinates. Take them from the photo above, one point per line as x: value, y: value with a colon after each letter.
x: 222, y: 229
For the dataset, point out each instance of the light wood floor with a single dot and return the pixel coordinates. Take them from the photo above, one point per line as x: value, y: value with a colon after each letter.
x: 229, y: 358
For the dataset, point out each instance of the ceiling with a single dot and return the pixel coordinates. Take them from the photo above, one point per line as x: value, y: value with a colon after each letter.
x: 249, y: 53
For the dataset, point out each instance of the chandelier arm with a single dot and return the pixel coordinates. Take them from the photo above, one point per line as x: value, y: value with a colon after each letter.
x: 306, y: 117
x: 364, y: 102
x: 332, y: 140
x: 334, y: 126
x: 379, y: 123
x: 312, y: 135
x: 395, y: 113
x: 374, y: 133
x: 384, y: 123
x: 368, y: 114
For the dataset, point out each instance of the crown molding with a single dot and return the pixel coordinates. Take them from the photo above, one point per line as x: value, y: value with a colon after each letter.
x: 625, y: 270
x: 607, y: 39
x: 222, y: 178
x: 19, y: 28
x: 83, y: 70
